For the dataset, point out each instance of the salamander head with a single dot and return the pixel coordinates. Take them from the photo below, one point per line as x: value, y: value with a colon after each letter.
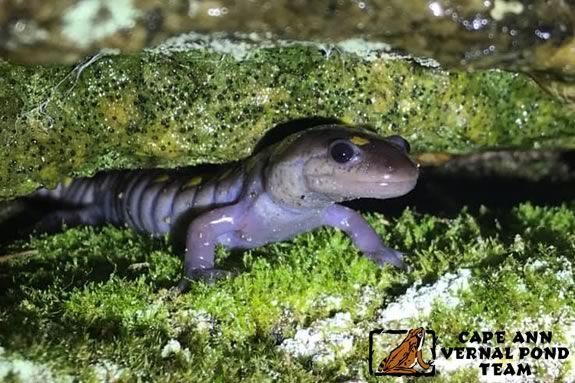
x: 335, y: 163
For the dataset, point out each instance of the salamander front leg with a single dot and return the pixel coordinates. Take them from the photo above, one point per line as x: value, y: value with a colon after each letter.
x: 362, y: 235
x: 201, y: 239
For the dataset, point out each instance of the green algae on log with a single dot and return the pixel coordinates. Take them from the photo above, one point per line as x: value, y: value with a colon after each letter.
x: 169, y: 108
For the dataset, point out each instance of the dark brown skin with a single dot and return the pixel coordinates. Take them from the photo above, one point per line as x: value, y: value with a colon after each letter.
x: 403, y: 358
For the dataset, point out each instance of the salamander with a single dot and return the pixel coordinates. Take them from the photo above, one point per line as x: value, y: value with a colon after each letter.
x: 290, y: 187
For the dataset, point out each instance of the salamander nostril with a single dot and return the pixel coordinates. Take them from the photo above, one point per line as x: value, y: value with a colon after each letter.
x: 400, y: 142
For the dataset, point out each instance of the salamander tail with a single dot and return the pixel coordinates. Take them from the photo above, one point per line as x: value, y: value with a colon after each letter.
x: 20, y: 217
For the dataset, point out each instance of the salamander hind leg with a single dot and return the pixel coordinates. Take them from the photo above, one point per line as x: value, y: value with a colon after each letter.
x: 55, y: 221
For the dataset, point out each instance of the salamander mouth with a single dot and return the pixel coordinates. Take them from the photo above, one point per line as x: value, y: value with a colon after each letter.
x: 407, y: 181
x: 353, y: 189
x: 389, y: 188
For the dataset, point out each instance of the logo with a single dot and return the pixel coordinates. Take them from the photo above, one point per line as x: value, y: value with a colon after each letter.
x: 402, y: 352
x: 495, y: 353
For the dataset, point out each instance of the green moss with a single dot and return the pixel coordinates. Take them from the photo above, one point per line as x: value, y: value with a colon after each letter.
x: 199, y: 106
x: 88, y: 298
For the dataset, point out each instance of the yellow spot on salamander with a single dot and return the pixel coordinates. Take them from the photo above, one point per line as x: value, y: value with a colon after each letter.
x: 162, y: 178
x: 193, y: 182
x: 359, y: 141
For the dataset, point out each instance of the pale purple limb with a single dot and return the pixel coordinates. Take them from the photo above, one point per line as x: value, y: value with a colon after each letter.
x: 362, y: 235
x: 201, y: 239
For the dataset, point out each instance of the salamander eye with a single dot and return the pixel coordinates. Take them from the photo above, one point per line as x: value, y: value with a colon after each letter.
x: 400, y: 142
x: 341, y: 152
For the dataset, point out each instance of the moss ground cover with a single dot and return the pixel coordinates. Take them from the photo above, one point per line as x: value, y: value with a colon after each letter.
x: 96, y: 304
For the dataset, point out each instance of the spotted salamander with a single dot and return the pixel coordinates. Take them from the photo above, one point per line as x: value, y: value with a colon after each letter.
x: 288, y: 188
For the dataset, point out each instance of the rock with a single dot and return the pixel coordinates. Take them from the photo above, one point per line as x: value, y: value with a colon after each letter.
x: 473, y: 34
x: 211, y: 101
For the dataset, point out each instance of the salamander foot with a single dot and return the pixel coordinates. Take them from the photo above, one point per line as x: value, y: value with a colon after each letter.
x: 388, y: 255
x: 209, y: 276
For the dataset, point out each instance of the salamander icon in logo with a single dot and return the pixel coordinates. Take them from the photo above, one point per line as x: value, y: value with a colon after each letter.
x: 406, y: 358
